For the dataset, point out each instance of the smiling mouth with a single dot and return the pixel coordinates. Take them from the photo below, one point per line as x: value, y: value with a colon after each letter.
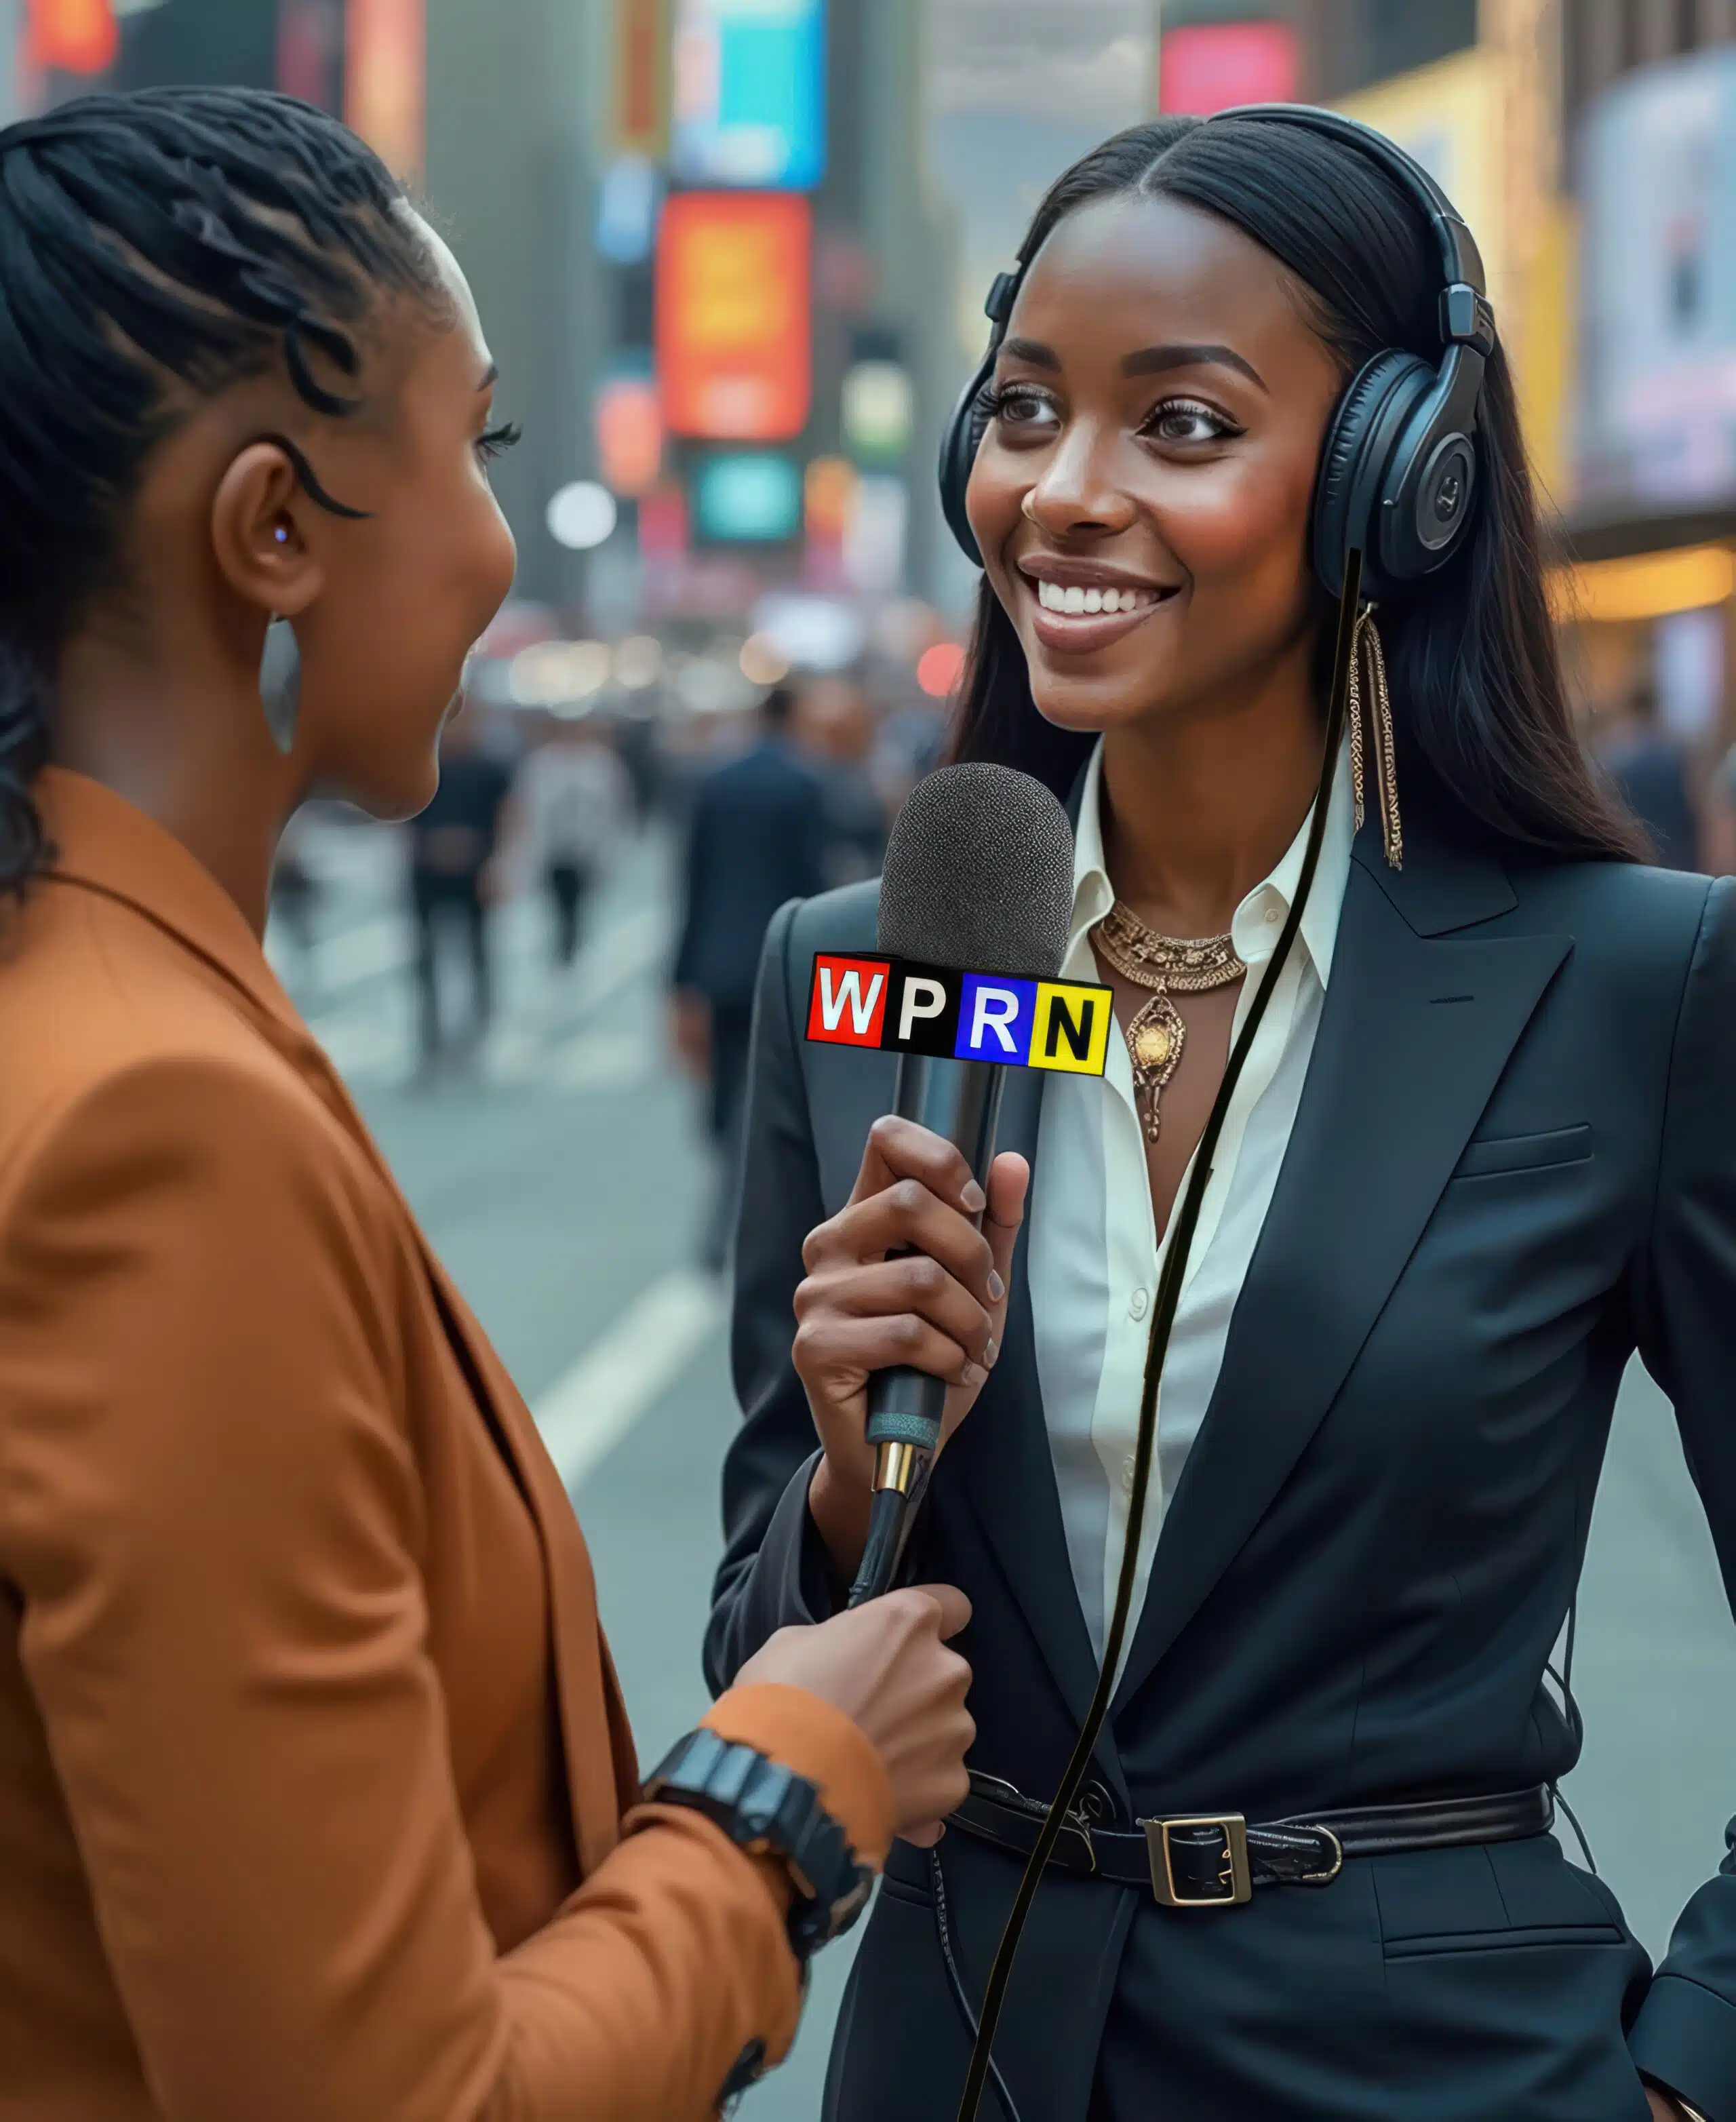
x: 1073, y: 602
x: 1078, y: 618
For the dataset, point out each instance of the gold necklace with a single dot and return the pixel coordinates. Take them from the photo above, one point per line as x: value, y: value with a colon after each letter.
x: 1167, y: 965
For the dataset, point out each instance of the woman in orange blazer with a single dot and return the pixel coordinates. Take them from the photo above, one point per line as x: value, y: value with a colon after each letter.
x: 317, y: 1802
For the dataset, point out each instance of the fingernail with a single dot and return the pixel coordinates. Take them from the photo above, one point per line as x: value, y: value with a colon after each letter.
x: 997, y: 1288
x: 991, y: 1353
x: 974, y: 1199
x: 970, y: 1376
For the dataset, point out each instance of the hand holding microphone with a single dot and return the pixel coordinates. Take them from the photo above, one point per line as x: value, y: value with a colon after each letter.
x: 886, y: 1666
x: 905, y: 1301
x: 902, y: 1275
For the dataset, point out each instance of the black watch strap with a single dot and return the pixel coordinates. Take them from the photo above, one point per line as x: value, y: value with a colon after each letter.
x: 769, y: 1810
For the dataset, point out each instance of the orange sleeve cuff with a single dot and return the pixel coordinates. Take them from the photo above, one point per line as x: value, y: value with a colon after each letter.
x: 799, y: 1731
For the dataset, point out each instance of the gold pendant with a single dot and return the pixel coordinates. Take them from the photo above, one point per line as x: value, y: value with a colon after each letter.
x: 1155, y: 1039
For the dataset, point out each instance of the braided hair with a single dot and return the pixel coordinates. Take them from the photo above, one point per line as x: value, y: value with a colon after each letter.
x: 155, y: 249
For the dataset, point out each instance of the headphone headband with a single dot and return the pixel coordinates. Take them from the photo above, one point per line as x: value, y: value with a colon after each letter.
x: 1461, y: 261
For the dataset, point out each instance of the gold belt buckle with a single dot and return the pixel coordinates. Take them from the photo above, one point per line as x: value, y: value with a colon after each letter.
x: 1235, y: 1879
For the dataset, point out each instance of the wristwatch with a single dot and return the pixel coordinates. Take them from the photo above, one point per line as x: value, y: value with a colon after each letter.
x: 770, y: 1811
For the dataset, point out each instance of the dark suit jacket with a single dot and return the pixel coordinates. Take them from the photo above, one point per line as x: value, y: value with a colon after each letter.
x: 1515, y: 1161
x: 757, y: 837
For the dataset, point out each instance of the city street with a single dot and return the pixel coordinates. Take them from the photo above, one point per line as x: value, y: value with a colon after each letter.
x: 565, y: 1187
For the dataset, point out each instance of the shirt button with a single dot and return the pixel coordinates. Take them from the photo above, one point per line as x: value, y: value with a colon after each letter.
x: 1126, y: 1476
x: 1139, y: 1304
x: 1272, y: 917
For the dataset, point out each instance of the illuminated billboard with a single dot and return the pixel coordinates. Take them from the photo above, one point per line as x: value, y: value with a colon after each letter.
x: 1207, y: 66
x: 1657, y: 418
x: 385, y: 70
x: 750, y: 93
x: 734, y: 350
x: 748, y: 497
x: 641, y: 77
x: 75, y: 36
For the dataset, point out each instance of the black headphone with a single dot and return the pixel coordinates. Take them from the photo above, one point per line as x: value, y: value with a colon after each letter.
x: 1398, y: 471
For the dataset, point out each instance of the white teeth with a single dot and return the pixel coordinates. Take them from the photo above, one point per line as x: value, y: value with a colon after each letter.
x: 1054, y: 597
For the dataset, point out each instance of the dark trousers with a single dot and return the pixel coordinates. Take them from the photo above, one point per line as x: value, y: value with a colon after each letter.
x: 732, y: 1026
x: 439, y: 900
x: 567, y: 884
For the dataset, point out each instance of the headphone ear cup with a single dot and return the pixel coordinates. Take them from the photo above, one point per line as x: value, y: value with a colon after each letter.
x: 959, y: 448
x: 1375, y: 411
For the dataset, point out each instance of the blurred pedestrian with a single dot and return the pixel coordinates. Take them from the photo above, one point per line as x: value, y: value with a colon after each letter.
x: 757, y: 840
x: 1650, y: 769
x: 577, y: 802
x: 838, y: 728
x: 454, y: 878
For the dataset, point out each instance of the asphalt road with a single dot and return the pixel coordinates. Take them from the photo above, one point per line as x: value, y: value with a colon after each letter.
x: 564, y: 1182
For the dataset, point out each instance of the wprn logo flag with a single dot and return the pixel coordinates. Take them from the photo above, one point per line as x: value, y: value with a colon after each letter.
x: 899, y: 1008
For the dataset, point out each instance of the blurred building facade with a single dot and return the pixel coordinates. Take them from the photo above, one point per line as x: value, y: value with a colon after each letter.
x: 1591, y: 144
x: 732, y: 254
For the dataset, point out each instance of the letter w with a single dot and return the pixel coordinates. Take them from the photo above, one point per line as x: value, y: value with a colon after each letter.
x: 849, y: 992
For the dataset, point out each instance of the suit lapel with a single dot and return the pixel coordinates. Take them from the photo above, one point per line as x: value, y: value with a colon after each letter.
x: 601, y: 1785
x: 602, y: 1782
x: 1001, y: 1461
x: 1004, y: 1469
x: 1417, y: 1027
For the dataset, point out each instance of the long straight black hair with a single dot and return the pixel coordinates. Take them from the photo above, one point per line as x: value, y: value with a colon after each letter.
x: 1482, y: 720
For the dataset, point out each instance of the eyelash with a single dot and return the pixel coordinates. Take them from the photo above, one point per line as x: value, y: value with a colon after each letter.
x: 1225, y: 430
x: 499, y: 440
x: 999, y: 397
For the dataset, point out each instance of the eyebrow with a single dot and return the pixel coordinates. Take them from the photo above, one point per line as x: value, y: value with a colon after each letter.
x: 1156, y: 360
x: 1149, y: 361
x: 492, y: 378
x: 1032, y: 351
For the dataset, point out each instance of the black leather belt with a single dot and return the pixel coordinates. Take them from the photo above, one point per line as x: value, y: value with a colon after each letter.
x: 1215, y: 1860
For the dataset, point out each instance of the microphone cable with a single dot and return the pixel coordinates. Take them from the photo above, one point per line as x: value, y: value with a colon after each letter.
x: 1168, y: 1298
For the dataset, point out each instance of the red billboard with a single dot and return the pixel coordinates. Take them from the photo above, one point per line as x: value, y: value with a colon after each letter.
x: 1208, y: 66
x: 735, y: 275
x: 386, y: 79
x: 76, y: 36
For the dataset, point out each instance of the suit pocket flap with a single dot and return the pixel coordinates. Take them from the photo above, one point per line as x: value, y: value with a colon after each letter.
x: 1494, y: 1894
x: 1524, y: 1153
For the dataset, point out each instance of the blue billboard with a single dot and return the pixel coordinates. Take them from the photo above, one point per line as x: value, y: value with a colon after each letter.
x: 749, y: 496
x: 750, y: 93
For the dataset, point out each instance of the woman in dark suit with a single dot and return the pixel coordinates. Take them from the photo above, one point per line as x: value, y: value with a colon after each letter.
x: 1483, y: 1149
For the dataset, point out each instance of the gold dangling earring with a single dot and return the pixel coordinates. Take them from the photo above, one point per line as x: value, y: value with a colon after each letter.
x: 1369, y: 689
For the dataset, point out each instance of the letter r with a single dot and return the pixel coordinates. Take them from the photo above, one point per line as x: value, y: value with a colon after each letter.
x: 996, y: 1007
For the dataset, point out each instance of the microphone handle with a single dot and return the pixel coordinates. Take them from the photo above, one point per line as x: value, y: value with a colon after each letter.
x: 960, y: 1101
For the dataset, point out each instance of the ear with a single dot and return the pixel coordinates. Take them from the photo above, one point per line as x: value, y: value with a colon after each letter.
x: 258, y: 519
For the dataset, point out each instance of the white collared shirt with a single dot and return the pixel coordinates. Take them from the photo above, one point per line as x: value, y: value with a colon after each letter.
x: 1094, y: 1259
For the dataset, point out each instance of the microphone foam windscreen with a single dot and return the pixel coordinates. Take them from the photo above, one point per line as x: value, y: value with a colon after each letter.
x: 979, y: 874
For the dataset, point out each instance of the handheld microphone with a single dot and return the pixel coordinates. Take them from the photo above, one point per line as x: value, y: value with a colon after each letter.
x: 978, y: 884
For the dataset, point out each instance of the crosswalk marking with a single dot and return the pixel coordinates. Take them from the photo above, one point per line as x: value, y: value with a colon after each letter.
x: 621, y: 1377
